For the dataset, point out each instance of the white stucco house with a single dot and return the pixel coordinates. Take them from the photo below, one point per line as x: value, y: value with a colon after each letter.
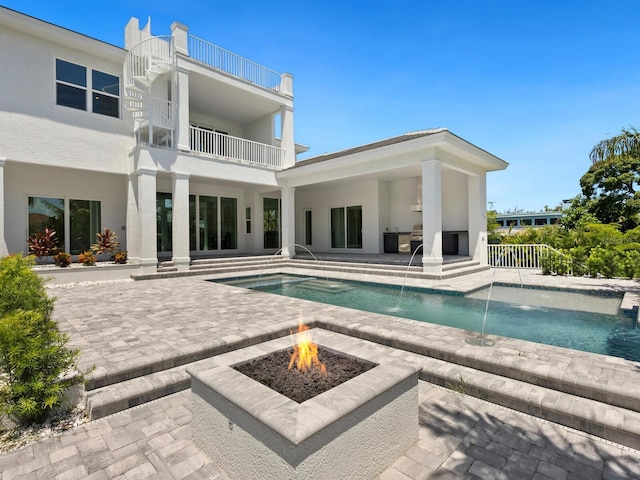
x: 185, y: 149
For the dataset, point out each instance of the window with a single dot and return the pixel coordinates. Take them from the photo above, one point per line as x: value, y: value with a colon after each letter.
x: 72, y: 85
x: 192, y: 223
x: 526, y: 222
x: 215, y: 225
x: 271, y: 216
x: 84, y: 224
x: 247, y: 218
x: 208, y: 223
x: 541, y: 221
x: 346, y: 224
x: 83, y: 218
x: 308, y: 237
x: 105, y: 91
x: 164, y: 216
x: 228, y: 223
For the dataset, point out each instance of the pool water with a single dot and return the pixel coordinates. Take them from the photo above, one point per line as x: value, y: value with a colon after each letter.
x: 567, y: 319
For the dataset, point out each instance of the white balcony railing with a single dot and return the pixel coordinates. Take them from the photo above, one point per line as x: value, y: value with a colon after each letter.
x: 239, y: 149
x: 228, y: 62
x: 151, y: 56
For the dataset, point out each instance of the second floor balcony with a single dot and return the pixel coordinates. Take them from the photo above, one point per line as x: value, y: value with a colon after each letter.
x: 228, y: 147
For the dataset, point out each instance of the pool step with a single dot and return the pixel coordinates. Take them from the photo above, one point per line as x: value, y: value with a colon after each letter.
x: 612, y: 423
x: 326, y: 286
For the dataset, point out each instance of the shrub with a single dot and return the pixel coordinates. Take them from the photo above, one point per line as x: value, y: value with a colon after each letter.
x: 578, y: 256
x: 43, y: 244
x: 22, y: 289
x: 62, y: 259
x: 107, y: 242
x: 120, y: 256
x: 87, y: 258
x: 630, y: 264
x: 33, y: 352
x: 603, y: 261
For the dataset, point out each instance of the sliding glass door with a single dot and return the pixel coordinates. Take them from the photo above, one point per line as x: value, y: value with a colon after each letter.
x: 346, y: 227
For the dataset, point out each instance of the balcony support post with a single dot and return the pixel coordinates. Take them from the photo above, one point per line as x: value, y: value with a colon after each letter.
x: 287, y: 142
x: 3, y: 242
x: 288, y: 221
x: 181, y: 106
x: 133, y: 220
x: 477, y: 198
x: 180, y: 221
x: 432, y: 217
x: 147, y: 219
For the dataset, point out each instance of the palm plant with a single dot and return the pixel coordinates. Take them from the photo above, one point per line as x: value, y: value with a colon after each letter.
x: 626, y: 143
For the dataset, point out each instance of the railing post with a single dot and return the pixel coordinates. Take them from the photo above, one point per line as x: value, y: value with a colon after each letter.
x: 286, y: 87
x: 180, y: 33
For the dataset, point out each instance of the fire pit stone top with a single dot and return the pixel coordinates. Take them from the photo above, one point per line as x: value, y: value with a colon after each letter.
x: 297, y: 422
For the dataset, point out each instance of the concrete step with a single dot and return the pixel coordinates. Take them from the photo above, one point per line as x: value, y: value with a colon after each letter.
x: 612, y: 423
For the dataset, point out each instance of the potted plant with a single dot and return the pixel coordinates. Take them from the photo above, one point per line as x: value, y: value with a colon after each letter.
x: 107, y: 242
x: 120, y: 257
x: 62, y: 259
x: 87, y: 258
x: 43, y: 244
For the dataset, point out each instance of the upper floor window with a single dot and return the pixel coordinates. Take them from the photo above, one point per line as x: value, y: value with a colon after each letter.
x: 73, y: 84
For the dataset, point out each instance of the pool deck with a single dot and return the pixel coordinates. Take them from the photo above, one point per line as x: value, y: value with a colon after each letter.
x: 126, y: 327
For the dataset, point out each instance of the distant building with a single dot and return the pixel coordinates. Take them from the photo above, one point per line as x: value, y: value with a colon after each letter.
x: 517, y: 221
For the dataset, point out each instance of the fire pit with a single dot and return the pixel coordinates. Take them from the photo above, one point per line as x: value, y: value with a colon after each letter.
x: 353, y: 430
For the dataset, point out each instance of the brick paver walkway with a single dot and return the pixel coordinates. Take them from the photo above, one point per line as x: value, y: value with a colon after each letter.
x: 121, y: 324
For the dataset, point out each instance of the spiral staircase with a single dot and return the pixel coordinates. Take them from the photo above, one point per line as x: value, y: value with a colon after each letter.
x: 149, y: 64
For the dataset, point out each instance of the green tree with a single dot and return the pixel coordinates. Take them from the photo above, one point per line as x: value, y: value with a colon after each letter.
x: 578, y: 215
x: 492, y: 227
x: 609, y: 188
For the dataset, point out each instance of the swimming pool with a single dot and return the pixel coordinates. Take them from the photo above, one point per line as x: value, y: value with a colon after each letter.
x: 567, y: 319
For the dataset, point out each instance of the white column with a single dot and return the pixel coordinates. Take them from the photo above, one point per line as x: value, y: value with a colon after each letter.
x: 147, y: 216
x: 133, y: 219
x: 477, y: 193
x: 3, y: 242
x: 432, y: 216
x: 180, y: 221
x: 288, y: 221
x: 180, y: 33
x: 287, y: 142
x: 181, y: 110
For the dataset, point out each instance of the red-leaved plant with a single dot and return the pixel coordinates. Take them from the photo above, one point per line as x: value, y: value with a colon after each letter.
x: 43, y: 244
x: 107, y: 242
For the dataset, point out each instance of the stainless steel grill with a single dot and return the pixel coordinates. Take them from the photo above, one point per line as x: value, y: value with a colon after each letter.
x: 416, y: 233
x: 416, y: 237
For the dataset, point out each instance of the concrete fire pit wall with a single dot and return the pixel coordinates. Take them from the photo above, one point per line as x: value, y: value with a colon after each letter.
x: 353, y: 431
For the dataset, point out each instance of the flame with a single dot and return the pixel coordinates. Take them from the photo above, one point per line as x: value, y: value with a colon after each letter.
x: 305, y: 352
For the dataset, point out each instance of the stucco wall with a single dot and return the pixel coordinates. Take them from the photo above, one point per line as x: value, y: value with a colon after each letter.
x: 34, y: 129
x: 321, y: 200
x: 22, y: 181
x: 402, y: 194
x: 455, y: 201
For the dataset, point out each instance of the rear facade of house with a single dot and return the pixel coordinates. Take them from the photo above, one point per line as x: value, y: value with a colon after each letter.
x: 185, y: 149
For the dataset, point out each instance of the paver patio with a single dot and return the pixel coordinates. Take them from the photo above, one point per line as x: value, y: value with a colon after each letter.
x: 121, y: 324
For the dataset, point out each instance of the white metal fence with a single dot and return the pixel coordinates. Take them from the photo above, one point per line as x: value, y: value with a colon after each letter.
x: 233, y: 64
x: 519, y: 256
x: 218, y: 144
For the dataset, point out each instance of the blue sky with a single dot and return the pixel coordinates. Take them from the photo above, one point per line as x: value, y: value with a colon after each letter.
x: 536, y: 83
